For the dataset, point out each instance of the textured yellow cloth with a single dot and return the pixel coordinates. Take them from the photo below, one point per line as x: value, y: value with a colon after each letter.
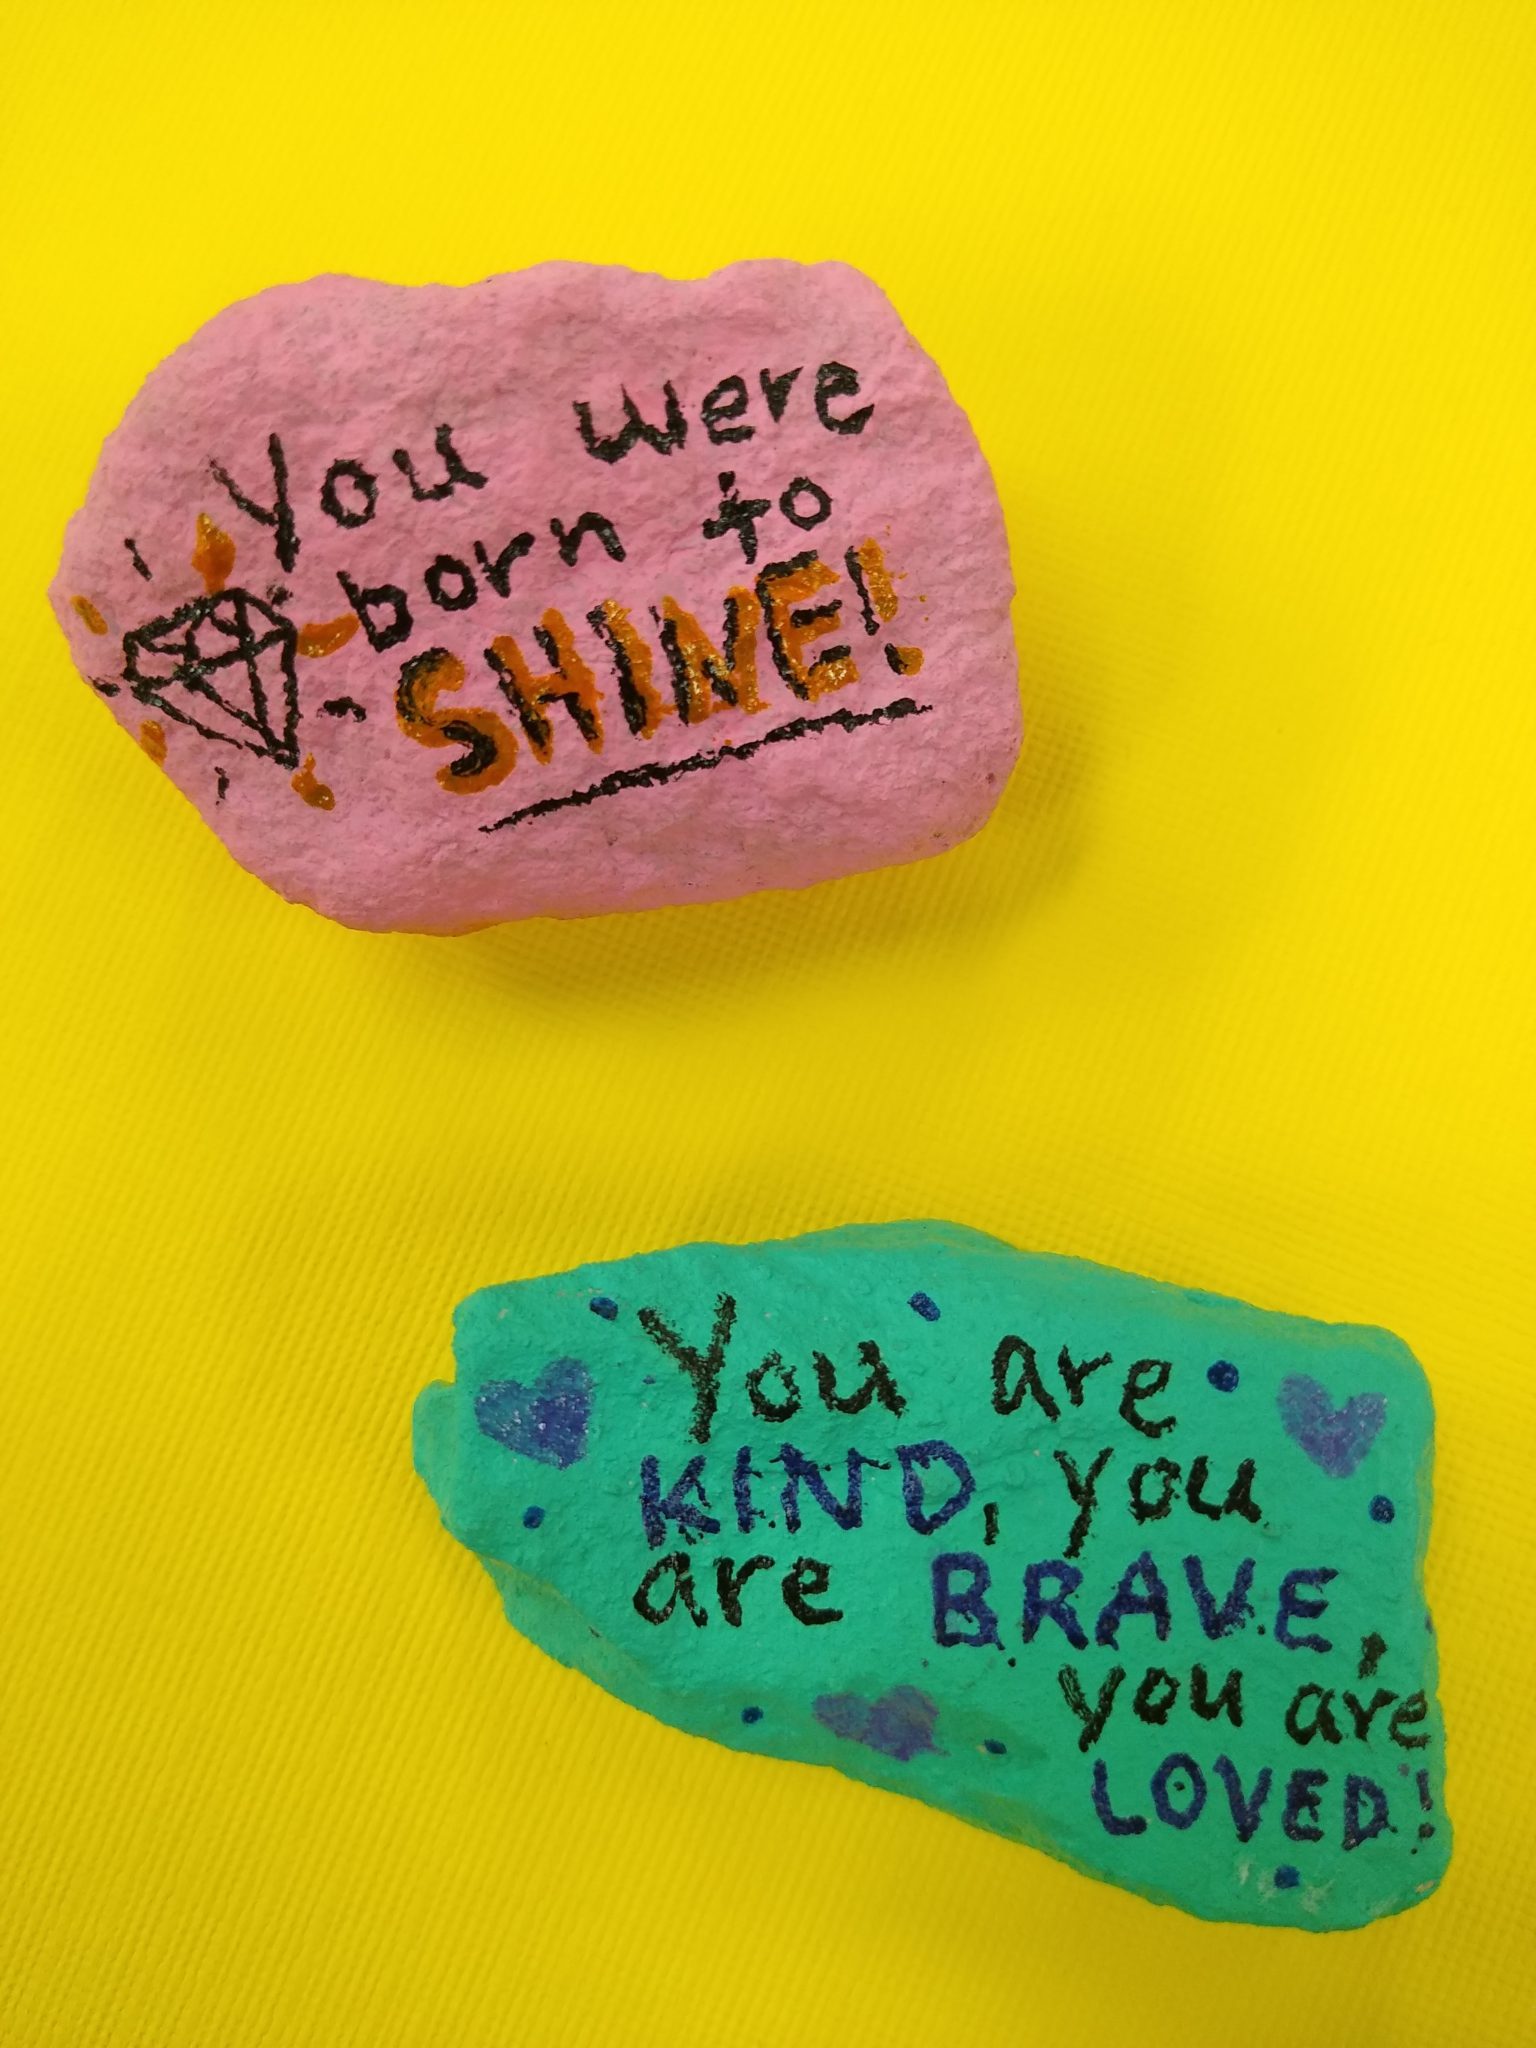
x: 1236, y: 990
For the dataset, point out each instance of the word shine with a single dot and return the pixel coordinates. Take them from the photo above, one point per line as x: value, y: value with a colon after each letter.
x: 703, y: 674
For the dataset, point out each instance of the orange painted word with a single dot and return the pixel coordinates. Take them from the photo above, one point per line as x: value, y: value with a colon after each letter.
x: 695, y: 676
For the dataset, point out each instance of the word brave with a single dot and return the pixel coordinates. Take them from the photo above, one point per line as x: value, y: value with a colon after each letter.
x: 963, y: 1579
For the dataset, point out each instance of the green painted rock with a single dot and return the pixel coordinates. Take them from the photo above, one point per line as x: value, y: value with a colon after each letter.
x: 1122, y: 1571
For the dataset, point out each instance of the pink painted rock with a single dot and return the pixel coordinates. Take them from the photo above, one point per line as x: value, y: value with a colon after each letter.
x: 577, y: 590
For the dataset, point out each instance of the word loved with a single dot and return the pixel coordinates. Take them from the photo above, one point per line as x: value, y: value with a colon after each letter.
x: 1178, y: 1793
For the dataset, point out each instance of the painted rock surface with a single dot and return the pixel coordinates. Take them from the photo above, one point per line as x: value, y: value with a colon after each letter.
x: 577, y: 590
x: 1125, y: 1572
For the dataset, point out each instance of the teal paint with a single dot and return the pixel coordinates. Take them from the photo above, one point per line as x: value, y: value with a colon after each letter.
x: 1005, y: 1560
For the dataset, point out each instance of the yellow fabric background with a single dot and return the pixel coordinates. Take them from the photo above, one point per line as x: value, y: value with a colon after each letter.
x: 1236, y: 990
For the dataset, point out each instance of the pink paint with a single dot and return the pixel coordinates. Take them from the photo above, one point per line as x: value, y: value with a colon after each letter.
x: 896, y: 762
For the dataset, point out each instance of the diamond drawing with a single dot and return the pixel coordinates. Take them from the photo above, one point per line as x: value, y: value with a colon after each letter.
x: 224, y: 665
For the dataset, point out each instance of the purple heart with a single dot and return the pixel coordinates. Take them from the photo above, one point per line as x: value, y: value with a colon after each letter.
x: 547, y: 1421
x: 898, y: 1724
x: 1336, y: 1439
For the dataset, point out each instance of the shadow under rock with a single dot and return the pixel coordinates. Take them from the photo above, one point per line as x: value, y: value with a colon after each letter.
x: 973, y: 896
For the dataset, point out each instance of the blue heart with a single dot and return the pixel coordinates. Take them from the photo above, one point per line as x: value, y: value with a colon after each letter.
x: 899, y: 1724
x: 1336, y: 1439
x: 547, y: 1421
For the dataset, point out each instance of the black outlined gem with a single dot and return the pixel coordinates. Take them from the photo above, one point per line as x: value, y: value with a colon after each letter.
x: 224, y: 665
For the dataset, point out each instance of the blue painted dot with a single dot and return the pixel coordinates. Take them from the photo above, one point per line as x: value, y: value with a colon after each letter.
x: 1287, y: 1877
x: 1222, y: 1375
x: 602, y: 1305
x: 751, y: 1714
x: 995, y: 1748
x: 926, y: 1306
x: 532, y: 1517
x: 1382, y: 1509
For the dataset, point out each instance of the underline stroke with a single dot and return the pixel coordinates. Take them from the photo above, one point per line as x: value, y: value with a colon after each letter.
x: 654, y: 773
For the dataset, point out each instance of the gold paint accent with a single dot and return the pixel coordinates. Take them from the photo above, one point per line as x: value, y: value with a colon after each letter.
x: 785, y: 593
x: 908, y: 660
x: 701, y: 659
x: 152, y: 740
x: 877, y: 580
x: 325, y: 638
x: 419, y: 719
x: 313, y: 791
x: 571, y: 682
x: 213, y: 556
x: 89, y: 613
x: 638, y: 655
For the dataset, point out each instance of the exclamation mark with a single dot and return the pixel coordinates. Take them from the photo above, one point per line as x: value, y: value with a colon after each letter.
x: 878, y: 602
x: 1426, y: 1828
